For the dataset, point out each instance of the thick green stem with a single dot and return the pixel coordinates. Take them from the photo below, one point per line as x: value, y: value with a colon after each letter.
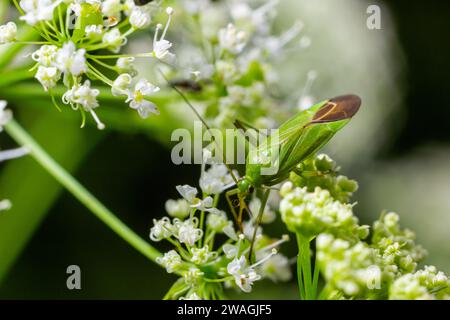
x: 81, y: 193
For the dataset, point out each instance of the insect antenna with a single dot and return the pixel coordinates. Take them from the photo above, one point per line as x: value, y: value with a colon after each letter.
x: 191, y: 106
x: 197, y: 114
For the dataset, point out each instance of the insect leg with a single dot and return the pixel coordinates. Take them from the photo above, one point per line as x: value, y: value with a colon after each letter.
x: 233, y: 203
x: 258, y: 221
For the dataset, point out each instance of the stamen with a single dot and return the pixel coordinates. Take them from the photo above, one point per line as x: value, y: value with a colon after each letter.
x: 311, y: 77
x: 291, y: 33
x: 169, y: 11
x: 266, y: 7
x: 155, y: 38
x: 241, y: 237
x: 100, y: 125
x: 284, y: 238
x: 272, y: 253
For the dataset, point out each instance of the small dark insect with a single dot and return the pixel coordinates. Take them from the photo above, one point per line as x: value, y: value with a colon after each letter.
x: 186, y: 84
x: 141, y: 2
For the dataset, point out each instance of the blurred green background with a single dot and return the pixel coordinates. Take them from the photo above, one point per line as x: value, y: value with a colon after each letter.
x: 398, y: 148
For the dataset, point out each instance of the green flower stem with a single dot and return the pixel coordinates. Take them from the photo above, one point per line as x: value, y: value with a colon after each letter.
x: 305, y: 280
x: 315, y: 283
x: 81, y: 193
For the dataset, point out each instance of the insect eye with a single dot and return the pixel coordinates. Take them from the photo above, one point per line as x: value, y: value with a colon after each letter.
x: 141, y: 2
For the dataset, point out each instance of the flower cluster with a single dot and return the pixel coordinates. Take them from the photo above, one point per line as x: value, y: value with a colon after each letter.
x: 396, y: 245
x: 322, y: 171
x: 81, y: 42
x: 426, y: 284
x: 349, y: 268
x: 312, y: 213
x: 234, y: 67
x: 210, y: 251
x: 352, y: 264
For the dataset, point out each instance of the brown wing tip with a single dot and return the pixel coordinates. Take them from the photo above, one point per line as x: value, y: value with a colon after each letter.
x: 338, y: 108
x: 349, y: 103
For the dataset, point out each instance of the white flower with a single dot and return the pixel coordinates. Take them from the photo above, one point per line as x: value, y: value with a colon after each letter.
x: 161, y: 229
x: 231, y: 39
x: 128, y: 6
x: 139, y: 18
x: 5, y: 205
x: 76, y: 8
x: 216, y: 179
x: 202, y: 255
x: 161, y: 47
x: 111, y: 8
x: 268, y: 214
x: 258, y: 17
x: 187, y: 192
x: 230, y: 250
x: 8, y: 32
x: 192, y: 277
x: 121, y: 85
x: 230, y: 231
x: 86, y: 97
x: 249, y: 229
x: 137, y: 101
x: 48, y: 76
x: 93, y: 30
x: 171, y: 261
x: 190, y: 194
x: 125, y: 64
x: 217, y: 221
x: 5, y: 114
x: 70, y: 60
x: 178, y: 208
x: 38, y: 10
x: 114, y: 40
x: 187, y: 231
x: 45, y: 55
x: 276, y: 268
x: 243, y: 276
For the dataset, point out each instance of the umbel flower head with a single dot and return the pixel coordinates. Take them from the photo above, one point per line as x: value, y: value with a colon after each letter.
x: 384, y: 267
x: 80, y: 46
x: 322, y: 171
x: 426, y: 284
x: 311, y: 213
x: 208, y: 264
